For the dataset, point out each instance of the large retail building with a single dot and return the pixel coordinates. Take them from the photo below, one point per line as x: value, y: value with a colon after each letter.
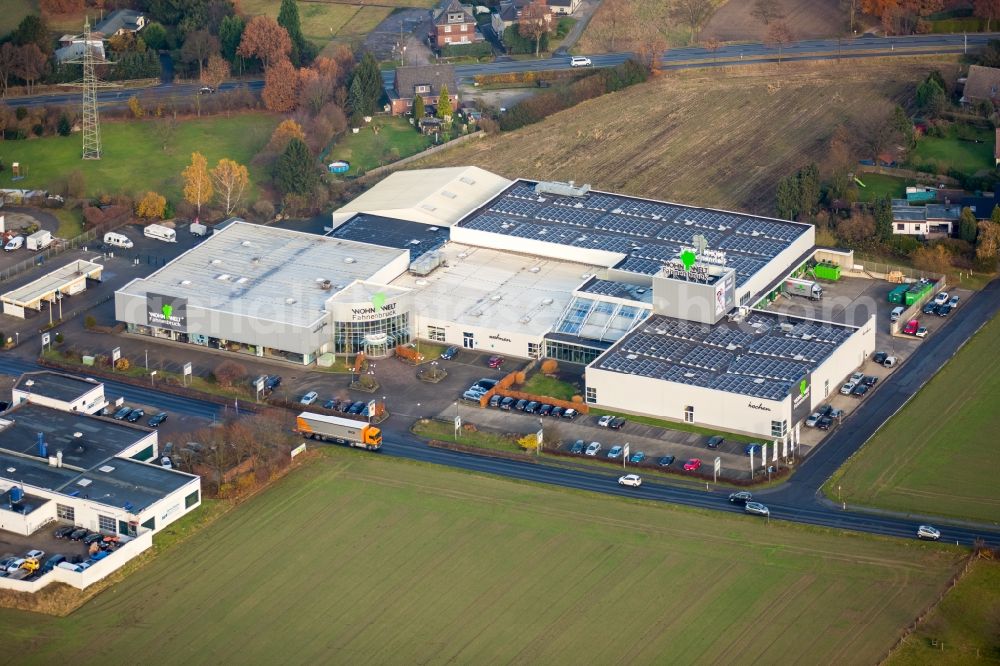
x: 656, y: 298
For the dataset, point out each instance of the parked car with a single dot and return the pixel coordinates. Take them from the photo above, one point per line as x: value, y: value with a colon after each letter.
x: 848, y: 388
x: 953, y: 301
x: 135, y: 415
x: 53, y: 562
x: 857, y: 376
x: 166, y: 462
x: 605, y: 420
x: 869, y: 381
x: 921, y: 332
x: 633, y: 480
x: 941, y: 298
x: 879, y: 357
x: 665, y: 461
x: 507, y: 403
x: 751, y: 449
x: 545, y: 410
x: 824, y: 423
x: 78, y: 534
x: 570, y: 414
x: 473, y: 396
x: 495, y: 400
x: 757, y: 509
x: 357, y: 407
x: 495, y: 362
x: 485, y: 383
x: 272, y: 382
x: 37, y: 554
x: 309, y: 398
x: 449, y: 353
x: 928, y: 532
x: 741, y: 497
x: 64, y: 531
x: 332, y: 404
x: 557, y: 412
x: 715, y: 441
x: 520, y: 405
x: 206, y: 90
x: 157, y: 419
x: 911, y: 327
x: 15, y: 565
x: 637, y: 457
x: 616, y: 423
x: 929, y: 308
x: 944, y: 311
x: 92, y: 538
x: 615, y: 452
x: 813, y: 419
x: 692, y: 465
x: 860, y: 390
x: 122, y: 413
x: 532, y: 407
x: 577, y: 447
x: 889, y: 361
x: 593, y: 449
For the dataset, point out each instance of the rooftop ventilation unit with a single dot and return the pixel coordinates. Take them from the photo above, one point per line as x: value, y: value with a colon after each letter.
x: 525, y: 319
x: 223, y: 277
x: 631, y: 357
x: 107, y: 469
x: 496, y: 297
x: 758, y: 380
x: 467, y: 180
x: 242, y: 280
x: 435, y: 229
x: 289, y: 301
x: 450, y: 195
x: 561, y: 189
x: 425, y: 263
x: 185, y: 283
x: 216, y: 262
x: 422, y: 283
x: 534, y: 269
x: 414, y: 242
x: 246, y: 243
x: 787, y: 328
x: 547, y: 301
x: 427, y: 206
x: 84, y: 482
x: 324, y: 284
x: 349, y: 260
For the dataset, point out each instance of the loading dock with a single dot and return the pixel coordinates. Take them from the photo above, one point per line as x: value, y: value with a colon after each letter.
x: 66, y: 281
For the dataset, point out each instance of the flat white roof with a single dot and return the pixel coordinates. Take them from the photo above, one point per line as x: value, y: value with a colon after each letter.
x: 46, y: 286
x: 265, y: 272
x: 438, y: 197
x: 508, y: 292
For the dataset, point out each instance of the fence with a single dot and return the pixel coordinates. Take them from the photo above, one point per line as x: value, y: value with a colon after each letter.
x: 929, y: 178
x: 882, y: 270
x: 58, y: 247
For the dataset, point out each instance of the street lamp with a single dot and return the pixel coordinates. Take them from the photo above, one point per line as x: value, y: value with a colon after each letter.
x: 147, y: 358
x: 17, y: 338
x: 151, y: 376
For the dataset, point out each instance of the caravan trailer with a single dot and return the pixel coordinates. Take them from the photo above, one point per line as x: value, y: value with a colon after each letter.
x: 160, y: 232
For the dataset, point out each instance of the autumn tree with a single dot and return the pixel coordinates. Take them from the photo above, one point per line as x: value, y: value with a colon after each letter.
x: 766, y: 11
x: 933, y: 259
x: 988, y: 10
x: 713, y: 45
x: 295, y: 171
x: 778, y: 35
x: 418, y: 107
x: 231, y: 180
x: 151, y: 206
x: 285, y: 131
x: 444, y: 109
x: 8, y: 63
x: 197, y: 182
x: 534, y: 22
x: 198, y: 46
x: 216, y: 71
x: 31, y: 64
x: 988, y: 240
x: 967, y: 225
x: 228, y: 373
x: 281, y: 87
x: 692, y: 12
x: 50, y: 7
x: 264, y: 39
x: 619, y: 18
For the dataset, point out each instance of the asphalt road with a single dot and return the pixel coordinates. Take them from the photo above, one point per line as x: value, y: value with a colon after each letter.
x: 797, y: 500
x: 694, y: 57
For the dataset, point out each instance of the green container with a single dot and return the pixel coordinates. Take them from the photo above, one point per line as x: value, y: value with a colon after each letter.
x: 896, y: 295
x: 916, y: 292
x: 827, y: 271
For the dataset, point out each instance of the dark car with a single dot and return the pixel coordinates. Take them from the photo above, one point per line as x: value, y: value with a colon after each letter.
x: 570, y: 414
x: 345, y: 406
x: 944, y: 311
x: 880, y: 357
x: 272, y: 382
x: 929, y: 308
x: 824, y: 423
x: 577, y: 447
x: 78, y: 534
x: 860, y: 390
x: 122, y: 413
x: 332, y: 404
x: 521, y: 404
x: 741, y: 497
x: 545, y: 410
x: 869, y: 381
x: 51, y: 563
x: 135, y: 415
x: 715, y: 442
x: 449, y: 353
x: 485, y: 384
x: 557, y: 412
x: 357, y: 407
x: 157, y: 419
x: 64, y: 531
x: 665, y: 461
x: 495, y: 400
x: 507, y: 403
x: 616, y: 423
x: 92, y: 538
x: 825, y: 410
x: 532, y: 407
x: 751, y: 449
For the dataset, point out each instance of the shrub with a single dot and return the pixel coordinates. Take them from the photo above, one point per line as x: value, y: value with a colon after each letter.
x: 550, y: 366
x: 38, y: 129
x: 21, y: 113
x: 228, y: 373
x: 263, y: 209
x: 151, y: 205
x: 59, y: 338
x: 89, y: 321
x: 520, y: 377
x: 477, y: 50
x: 122, y: 364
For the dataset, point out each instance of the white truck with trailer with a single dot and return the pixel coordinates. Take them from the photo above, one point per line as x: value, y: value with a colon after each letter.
x: 805, y: 288
x: 338, y: 429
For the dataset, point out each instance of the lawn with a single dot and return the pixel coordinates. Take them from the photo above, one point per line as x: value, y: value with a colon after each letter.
x: 13, y: 12
x: 366, y: 149
x: 877, y: 185
x: 936, y: 456
x: 676, y: 425
x: 325, y: 21
x: 951, y: 152
x: 133, y: 160
x: 377, y: 560
x: 539, y: 384
x: 965, y: 625
x: 445, y: 431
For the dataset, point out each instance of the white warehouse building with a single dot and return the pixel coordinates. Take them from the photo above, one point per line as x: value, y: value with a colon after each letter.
x: 655, y: 298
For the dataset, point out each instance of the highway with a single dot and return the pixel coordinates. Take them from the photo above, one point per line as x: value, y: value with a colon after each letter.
x: 796, y: 500
x: 693, y: 57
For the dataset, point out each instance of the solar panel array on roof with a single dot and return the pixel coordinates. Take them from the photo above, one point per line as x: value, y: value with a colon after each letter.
x: 608, y: 288
x: 747, y: 386
x: 652, y: 231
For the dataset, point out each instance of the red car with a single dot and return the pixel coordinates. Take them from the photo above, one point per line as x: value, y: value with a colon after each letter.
x: 495, y: 362
x: 911, y: 327
x: 692, y: 465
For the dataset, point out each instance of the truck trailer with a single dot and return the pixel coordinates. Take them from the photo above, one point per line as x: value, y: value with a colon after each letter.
x: 805, y: 288
x: 338, y: 429
x: 39, y: 240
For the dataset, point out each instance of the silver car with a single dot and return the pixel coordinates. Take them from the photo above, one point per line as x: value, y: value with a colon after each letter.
x: 928, y: 532
x: 757, y: 509
x: 593, y: 449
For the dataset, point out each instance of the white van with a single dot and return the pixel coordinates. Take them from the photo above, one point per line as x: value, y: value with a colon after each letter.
x: 15, y: 243
x: 160, y: 232
x: 897, y: 312
x: 117, y: 240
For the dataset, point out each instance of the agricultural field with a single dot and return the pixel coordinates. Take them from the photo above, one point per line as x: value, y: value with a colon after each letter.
x: 719, y: 138
x: 934, y: 457
x: 133, y: 159
x: 13, y: 12
x: 378, y: 560
x: 963, y: 629
x: 809, y: 19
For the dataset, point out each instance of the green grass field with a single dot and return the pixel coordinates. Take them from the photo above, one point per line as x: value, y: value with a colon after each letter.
x: 376, y: 560
x: 13, y: 12
x: 366, y: 150
x: 134, y: 160
x: 965, y: 625
x: 539, y: 384
x: 877, y: 185
x: 949, y: 152
x: 936, y: 456
x: 323, y: 22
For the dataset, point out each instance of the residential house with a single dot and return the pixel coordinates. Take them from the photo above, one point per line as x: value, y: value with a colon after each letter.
x: 510, y: 12
x: 982, y: 84
x: 72, y: 48
x: 996, y: 148
x: 930, y: 221
x: 121, y: 21
x: 563, y: 7
x: 455, y: 24
x: 982, y: 203
x: 423, y: 80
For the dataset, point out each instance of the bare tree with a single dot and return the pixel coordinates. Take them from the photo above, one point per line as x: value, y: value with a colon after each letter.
x: 8, y: 63
x: 198, y: 46
x: 766, y: 11
x: 713, y: 45
x: 988, y: 10
x: 692, y: 12
x: 778, y: 35
x: 30, y: 64
x: 534, y: 22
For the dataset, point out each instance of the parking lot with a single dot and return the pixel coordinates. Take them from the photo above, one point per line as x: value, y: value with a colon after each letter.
x: 16, y: 546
